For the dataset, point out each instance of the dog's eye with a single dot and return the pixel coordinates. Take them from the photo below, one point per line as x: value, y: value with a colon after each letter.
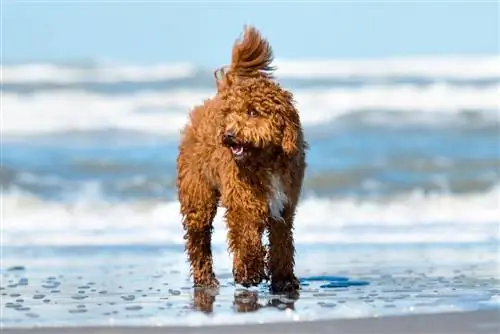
x: 252, y: 113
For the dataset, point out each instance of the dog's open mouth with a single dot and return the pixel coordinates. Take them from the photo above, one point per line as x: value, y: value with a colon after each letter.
x: 237, y: 150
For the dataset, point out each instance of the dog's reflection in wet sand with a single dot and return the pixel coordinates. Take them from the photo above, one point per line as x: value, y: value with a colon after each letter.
x: 248, y: 301
x: 244, y: 300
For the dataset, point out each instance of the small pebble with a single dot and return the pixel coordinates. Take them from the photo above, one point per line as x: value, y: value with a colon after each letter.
x: 77, y: 297
x: 49, y: 286
x: 79, y: 310
x: 128, y: 298
x: 16, y: 268
x: 22, y: 308
x: 174, y: 292
x: 133, y: 308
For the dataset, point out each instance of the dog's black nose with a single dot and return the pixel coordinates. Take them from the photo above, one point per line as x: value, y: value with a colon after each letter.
x: 229, y: 137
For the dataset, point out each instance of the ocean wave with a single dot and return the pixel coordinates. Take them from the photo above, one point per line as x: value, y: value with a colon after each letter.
x: 165, y: 113
x: 152, y: 180
x: 442, y: 67
x: 406, y: 219
x: 105, y: 73
x: 459, y: 67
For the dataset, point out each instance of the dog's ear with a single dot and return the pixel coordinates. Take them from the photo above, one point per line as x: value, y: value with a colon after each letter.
x: 221, y: 78
x: 290, y: 138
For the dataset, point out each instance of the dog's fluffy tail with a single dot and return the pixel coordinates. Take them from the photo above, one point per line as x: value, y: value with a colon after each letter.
x: 252, y: 55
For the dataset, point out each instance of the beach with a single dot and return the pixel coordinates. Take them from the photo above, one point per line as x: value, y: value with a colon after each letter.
x: 103, y: 287
x: 396, y: 230
x: 478, y: 322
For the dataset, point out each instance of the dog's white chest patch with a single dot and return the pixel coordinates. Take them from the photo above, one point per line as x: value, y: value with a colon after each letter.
x: 277, y: 197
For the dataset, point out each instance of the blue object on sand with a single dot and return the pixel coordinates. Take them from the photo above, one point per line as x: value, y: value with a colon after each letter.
x: 343, y: 284
x: 332, y: 281
x: 358, y: 283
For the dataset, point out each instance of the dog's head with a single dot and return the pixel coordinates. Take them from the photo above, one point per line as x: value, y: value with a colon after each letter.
x: 259, y: 117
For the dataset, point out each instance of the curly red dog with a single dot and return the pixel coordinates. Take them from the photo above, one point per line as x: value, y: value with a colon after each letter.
x: 243, y: 149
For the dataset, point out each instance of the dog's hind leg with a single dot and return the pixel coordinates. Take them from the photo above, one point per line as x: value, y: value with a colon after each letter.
x: 198, y: 207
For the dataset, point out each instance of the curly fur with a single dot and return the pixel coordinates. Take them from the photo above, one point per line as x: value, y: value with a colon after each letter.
x: 244, y: 148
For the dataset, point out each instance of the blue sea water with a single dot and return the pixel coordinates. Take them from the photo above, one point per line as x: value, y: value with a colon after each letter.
x: 402, y: 183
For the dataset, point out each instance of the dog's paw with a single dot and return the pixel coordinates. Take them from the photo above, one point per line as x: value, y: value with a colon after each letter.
x: 249, y: 278
x: 285, y: 285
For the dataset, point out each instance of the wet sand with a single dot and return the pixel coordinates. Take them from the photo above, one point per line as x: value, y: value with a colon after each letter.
x: 484, y: 322
x: 122, y: 291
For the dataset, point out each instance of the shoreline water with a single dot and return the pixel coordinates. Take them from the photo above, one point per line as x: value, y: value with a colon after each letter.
x: 151, y: 287
x: 482, y: 321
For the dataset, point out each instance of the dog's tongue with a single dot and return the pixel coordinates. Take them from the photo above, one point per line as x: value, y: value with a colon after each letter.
x: 237, y: 150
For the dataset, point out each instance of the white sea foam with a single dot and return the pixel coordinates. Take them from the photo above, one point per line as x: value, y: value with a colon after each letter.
x: 412, y: 218
x: 33, y: 73
x: 165, y: 113
x: 450, y: 67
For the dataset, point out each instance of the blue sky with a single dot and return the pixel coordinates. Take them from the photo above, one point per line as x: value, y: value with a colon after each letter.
x: 155, y: 31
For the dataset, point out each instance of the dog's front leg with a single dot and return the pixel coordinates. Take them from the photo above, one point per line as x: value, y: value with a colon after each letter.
x: 198, y: 230
x: 198, y: 207
x: 282, y: 253
x: 246, y: 225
